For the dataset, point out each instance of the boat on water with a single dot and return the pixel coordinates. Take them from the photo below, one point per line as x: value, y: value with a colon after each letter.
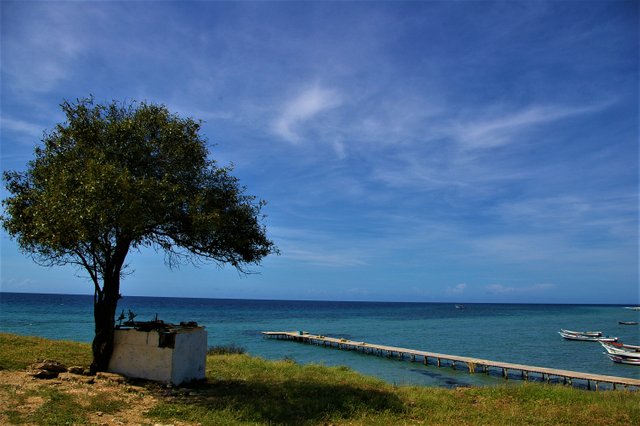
x: 583, y: 333
x: 633, y: 308
x: 621, y: 347
x: 459, y: 306
x: 628, y: 322
x: 621, y: 359
x: 586, y: 337
x: 613, y: 350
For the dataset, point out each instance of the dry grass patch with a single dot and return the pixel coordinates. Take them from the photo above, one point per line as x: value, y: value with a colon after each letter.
x: 70, y: 400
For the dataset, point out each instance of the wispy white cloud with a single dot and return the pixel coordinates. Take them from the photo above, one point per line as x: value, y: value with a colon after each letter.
x: 21, y: 127
x: 457, y: 289
x: 38, y: 56
x: 322, y: 256
x: 507, y: 126
x: 16, y: 284
x: 302, y: 109
x: 312, y: 246
x: 535, y: 288
x: 614, y: 213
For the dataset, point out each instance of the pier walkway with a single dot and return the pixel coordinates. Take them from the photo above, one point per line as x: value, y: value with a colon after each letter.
x: 524, y: 372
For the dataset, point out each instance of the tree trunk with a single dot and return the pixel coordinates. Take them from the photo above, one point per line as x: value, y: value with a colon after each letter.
x: 104, y: 311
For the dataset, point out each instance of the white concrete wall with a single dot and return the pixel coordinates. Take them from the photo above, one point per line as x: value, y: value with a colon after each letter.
x: 136, y: 354
x: 190, y: 356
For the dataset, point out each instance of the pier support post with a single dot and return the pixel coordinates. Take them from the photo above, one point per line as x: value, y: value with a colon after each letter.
x: 438, y: 362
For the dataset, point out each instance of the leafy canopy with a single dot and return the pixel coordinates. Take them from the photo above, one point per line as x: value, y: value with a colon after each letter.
x: 116, y: 177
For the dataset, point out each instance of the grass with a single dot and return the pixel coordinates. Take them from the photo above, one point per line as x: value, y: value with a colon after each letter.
x: 17, y: 352
x: 245, y: 390
x: 226, y: 349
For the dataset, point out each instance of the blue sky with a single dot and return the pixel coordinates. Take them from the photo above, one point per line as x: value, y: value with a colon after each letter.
x: 464, y: 151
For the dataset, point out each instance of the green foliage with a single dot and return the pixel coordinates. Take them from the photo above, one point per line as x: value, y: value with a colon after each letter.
x: 115, y: 177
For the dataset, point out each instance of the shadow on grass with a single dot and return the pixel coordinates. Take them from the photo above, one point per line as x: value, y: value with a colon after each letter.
x: 287, y: 402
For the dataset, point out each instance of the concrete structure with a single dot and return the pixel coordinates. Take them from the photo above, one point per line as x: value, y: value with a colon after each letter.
x: 172, y: 354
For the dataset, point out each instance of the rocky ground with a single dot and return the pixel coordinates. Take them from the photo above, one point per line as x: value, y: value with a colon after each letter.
x: 24, y: 394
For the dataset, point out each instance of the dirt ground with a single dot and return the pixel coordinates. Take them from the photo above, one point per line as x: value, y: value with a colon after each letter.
x: 19, y: 392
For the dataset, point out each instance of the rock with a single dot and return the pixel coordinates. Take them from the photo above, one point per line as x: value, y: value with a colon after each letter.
x: 110, y: 377
x: 77, y: 378
x: 76, y: 370
x: 44, y: 374
x: 49, y: 365
x: 136, y: 389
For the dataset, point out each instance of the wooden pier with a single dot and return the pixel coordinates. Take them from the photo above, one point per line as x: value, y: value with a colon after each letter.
x: 473, y: 365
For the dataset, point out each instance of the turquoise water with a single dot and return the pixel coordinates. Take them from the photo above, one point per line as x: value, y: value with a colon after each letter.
x: 525, y: 334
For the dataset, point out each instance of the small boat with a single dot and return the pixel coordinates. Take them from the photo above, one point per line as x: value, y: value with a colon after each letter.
x: 622, y: 346
x: 628, y: 322
x: 621, y: 359
x: 587, y: 338
x: 619, y: 351
x: 583, y: 333
x: 459, y: 306
x: 633, y: 308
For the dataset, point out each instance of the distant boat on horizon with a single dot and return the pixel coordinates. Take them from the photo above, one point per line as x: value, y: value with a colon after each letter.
x: 459, y: 306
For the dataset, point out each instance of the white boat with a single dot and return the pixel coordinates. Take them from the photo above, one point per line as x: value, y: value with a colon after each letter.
x: 633, y: 308
x: 623, y: 359
x: 614, y: 350
x: 583, y: 333
x: 586, y: 338
x: 622, y: 346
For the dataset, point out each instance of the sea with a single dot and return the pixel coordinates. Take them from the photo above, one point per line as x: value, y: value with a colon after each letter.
x: 516, y: 333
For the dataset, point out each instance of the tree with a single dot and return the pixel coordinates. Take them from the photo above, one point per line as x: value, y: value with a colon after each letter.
x: 121, y: 176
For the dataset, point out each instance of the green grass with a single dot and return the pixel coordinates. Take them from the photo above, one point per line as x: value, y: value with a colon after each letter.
x: 245, y: 390
x: 17, y: 352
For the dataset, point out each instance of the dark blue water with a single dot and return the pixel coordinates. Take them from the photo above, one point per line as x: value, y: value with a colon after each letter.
x: 525, y: 334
